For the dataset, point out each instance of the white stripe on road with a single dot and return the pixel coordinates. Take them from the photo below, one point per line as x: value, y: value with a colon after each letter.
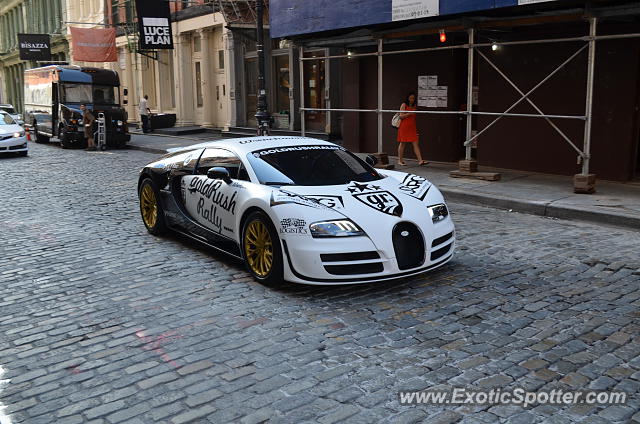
x: 4, y: 419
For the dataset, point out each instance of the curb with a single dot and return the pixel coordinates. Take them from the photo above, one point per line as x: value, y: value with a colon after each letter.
x: 542, y: 208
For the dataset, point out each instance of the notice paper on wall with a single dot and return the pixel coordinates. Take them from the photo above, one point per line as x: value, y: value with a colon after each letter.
x: 413, y: 9
x: 430, y: 94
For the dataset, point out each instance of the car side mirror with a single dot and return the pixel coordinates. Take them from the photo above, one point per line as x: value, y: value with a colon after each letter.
x: 371, y: 160
x: 219, y: 173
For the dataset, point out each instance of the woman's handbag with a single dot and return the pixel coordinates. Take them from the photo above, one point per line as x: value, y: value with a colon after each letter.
x: 395, y: 121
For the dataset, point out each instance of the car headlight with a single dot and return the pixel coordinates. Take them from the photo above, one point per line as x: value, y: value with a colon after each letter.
x: 337, y: 228
x: 79, y: 121
x: 438, y: 212
x: 120, y: 123
x: 18, y: 134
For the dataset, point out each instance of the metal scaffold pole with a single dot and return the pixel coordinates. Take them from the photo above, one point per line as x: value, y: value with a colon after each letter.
x: 380, y: 107
x: 471, y: 32
x: 589, y: 97
x: 262, y: 112
x: 303, y: 128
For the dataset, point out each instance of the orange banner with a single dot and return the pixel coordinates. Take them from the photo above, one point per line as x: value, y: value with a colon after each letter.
x: 94, y: 44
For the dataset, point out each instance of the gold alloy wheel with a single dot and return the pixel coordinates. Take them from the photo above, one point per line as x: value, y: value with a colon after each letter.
x: 149, y: 206
x: 258, y: 248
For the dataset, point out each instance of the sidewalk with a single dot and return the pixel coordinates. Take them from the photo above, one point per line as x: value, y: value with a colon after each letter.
x: 540, y: 194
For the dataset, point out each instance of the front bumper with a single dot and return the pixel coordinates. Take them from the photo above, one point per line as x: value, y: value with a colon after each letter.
x: 356, y: 260
x: 14, y: 144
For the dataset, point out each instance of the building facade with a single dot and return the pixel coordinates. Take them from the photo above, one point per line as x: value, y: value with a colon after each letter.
x: 31, y: 17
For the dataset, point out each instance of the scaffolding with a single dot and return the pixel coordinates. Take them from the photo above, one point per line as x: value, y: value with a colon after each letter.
x: 474, y: 48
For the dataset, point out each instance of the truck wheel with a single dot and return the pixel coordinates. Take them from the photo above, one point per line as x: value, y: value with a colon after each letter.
x: 40, y: 138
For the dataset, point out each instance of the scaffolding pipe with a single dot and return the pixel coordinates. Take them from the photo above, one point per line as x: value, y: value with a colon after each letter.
x: 469, y: 129
x: 500, y: 115
x: 477, y: 45
x: 303, y: 129
x: 589, y: 100
x: 554, y: 126
x: 379, y: 95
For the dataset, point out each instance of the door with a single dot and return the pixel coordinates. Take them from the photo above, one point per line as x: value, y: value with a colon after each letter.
x: 214, y: 203
x: 197, y: 95
x: 251, y: 67
x: 315, y: 98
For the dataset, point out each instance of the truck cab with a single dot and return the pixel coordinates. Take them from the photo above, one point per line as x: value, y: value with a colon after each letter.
x: 53, y: 95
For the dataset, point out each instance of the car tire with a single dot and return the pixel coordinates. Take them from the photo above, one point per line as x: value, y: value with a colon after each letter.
x: 64, y: 139
x: 261, y: 249
x: 151, y: 209
x: 40, y: 138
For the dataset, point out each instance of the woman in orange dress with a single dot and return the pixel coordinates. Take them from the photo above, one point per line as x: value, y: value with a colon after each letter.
x: 408, y: 133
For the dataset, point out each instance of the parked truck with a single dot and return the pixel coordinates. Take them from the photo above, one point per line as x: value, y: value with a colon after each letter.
x: 53, y: 95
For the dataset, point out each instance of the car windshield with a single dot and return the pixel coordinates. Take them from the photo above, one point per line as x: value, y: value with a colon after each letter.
x: 104, y: 95
x: 76, y: 93
x: 5, y: 119
x: 8, y: 109
x: 309, y: 166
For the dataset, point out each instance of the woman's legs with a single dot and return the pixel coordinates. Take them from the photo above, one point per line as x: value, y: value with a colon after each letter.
x: 400, y: 153
x: 416, y: 150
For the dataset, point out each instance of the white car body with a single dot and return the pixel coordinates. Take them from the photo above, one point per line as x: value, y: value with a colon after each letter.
x: 393, y: 206
x: 9, y: 143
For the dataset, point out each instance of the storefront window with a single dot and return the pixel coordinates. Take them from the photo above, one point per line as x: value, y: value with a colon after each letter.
x: 283, y: 85
x: 314, y: 77
x: 198, y: 85
x: 251, y: 67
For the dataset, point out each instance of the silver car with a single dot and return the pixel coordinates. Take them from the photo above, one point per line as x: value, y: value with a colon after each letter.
x: 12, y: 136
x: 12, y: 111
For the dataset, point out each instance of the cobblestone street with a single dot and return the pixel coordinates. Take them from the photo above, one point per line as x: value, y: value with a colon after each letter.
x: 101, y: 322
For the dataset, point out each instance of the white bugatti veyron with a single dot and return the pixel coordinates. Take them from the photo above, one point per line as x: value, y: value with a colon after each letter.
x: 299, y: 209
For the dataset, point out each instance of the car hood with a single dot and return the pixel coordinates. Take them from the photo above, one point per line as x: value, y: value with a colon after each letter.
x: 376, y: 206
x: 10, y: 129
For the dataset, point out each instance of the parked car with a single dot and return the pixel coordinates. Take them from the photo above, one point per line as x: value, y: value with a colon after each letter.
x: 12, y: 136
x: 12, y: 111
x: 299, y: 209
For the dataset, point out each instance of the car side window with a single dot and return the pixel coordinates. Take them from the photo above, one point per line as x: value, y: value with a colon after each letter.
x: 214, y: 157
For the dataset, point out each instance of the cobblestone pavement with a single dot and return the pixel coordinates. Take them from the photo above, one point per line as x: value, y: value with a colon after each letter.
x: 101, y: 322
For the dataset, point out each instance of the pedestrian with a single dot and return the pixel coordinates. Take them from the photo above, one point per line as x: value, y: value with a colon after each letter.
x: 88, y: 119
x: 144, y: 113
x: 408, y: 132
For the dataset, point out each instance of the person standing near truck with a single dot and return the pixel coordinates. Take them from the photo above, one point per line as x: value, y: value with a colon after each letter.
x: 88, y: 119
x: 144, y: 113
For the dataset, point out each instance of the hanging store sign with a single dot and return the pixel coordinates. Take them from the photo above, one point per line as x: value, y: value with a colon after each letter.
x: 35, y: 47
x: 413, y: 9
x: 154, y: 24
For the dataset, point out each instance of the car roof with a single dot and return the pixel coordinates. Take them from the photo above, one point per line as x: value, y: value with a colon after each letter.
x: 249, y: 144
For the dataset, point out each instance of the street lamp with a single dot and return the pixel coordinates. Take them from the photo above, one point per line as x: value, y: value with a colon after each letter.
x: 262, y: 113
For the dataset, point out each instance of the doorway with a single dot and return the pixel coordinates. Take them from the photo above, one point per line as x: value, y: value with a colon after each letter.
x: 251, y: 67
x: 314, y: 87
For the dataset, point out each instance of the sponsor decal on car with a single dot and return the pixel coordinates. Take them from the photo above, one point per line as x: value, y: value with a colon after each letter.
x: 333, y: 202
x: 376, y: 198
x: 211, y: 198
x: 282, y: 197
x: 415, y: 186
x: 294, y: 226
x: 265, y: 152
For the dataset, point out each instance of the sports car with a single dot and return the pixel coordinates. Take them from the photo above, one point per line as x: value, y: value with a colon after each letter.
x: 299, y: 209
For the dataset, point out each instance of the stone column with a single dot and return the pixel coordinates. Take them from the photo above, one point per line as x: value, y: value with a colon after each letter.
x: 208, y: 83
x: 184, y: 89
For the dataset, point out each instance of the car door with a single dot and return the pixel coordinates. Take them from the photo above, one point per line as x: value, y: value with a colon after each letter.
x: 213, y: 203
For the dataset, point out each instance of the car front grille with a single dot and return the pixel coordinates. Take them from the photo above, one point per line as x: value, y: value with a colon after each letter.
x: 359, y: 263
x: 408, y: 245
x: 355, y: 269
x: 437, y: 254
x: 21, y: 146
